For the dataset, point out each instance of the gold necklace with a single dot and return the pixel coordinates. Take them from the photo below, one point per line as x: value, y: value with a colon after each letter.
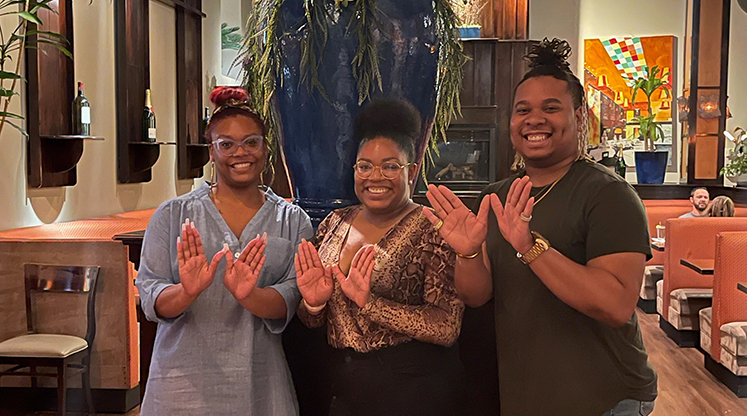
x: 552, y: 185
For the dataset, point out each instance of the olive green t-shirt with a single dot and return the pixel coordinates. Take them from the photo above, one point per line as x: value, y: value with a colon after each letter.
x: 553, y: 359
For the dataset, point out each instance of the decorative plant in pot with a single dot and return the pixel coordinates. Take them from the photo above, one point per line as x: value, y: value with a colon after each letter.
x: 469, y: 12
x: 650, y: 165
x: 310, y: 64
x: 736, y: 170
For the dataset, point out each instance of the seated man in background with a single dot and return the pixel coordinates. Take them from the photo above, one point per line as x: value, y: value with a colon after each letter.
x: 699, y: 197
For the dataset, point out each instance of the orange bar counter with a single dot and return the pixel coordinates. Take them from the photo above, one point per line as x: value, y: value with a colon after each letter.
x: 115, y: 358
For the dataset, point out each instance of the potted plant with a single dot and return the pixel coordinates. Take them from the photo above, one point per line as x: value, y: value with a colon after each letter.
x: 469, y: 12
x: 310, y: 64
x: 650, y: 165
x: 736, y: 170
x: 14, y: 45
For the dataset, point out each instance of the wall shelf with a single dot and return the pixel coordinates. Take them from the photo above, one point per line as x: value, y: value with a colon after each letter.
x: 192, y: 153
x: 151, y: 143
x: 135, y: 157
x: 60, y: 154
x: 52, y: 153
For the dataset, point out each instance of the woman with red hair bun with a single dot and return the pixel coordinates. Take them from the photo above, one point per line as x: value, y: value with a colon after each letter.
x: 222, y: 296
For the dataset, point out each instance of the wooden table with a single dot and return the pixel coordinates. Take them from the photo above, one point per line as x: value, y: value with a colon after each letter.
x: 657, y: 245
x: 134, y: 241
x: 702, y: 266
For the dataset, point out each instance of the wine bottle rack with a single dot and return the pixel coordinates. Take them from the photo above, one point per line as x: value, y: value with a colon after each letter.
x: 52, y: 152
x: 135, y: 156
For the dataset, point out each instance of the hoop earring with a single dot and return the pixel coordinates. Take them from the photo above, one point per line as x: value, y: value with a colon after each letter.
x: 272, y: 174
x: 213, y: 176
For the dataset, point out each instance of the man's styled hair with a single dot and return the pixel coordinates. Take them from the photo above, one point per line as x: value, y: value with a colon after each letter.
x: 692, y: 191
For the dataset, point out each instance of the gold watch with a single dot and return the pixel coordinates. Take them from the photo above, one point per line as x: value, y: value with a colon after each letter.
x: 540, y: 246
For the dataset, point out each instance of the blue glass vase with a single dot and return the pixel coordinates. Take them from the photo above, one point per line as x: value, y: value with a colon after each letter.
x: 316, y: 135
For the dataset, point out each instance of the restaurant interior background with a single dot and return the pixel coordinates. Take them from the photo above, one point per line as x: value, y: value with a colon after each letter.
x: 97, y: 191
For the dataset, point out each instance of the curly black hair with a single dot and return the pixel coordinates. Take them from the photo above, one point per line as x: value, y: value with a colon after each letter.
x: 394, y: 119
x: 550, y: 58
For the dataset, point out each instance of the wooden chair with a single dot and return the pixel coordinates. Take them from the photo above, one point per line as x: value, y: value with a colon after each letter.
x: 68, y: 354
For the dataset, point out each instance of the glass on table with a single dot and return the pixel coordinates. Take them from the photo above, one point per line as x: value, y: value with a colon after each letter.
x: 660, y: 231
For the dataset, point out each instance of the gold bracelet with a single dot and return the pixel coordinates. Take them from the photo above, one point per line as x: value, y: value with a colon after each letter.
x: 314, y: 310
x: 471, y: 256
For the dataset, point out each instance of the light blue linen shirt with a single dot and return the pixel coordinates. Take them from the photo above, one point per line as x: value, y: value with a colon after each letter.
x: 217, y: 358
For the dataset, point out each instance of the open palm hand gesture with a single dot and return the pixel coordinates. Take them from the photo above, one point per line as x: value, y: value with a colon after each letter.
x: 513, y: 217
x: 313, y: 278
x: 463, y: 230
x: 195, y: 273
x: 242, y: 275
x: 357, y: 284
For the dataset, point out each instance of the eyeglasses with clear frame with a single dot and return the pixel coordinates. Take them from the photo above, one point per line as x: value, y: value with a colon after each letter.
x: 388, y: 170
x: 228, y: 147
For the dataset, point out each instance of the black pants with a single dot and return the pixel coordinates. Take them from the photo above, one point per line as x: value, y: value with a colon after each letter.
x: 409, y: 379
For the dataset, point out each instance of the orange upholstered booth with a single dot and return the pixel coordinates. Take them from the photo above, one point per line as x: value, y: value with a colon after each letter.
x: 692, y: 238
x: 660, y: 210
x: 114, y: 361
x: 723, y: 328
x: 729, y: 303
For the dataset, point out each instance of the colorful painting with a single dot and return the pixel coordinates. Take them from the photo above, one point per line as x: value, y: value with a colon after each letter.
x: 611, y: 66
x: 627, y: 55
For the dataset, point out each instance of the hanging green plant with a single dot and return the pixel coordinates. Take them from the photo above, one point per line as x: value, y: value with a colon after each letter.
x: 260, y: 55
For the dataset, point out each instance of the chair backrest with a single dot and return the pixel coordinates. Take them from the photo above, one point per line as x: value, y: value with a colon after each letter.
x: 62, y: 279
x: 658, y: 212
x: 692, y: 238
x: 730, y: 268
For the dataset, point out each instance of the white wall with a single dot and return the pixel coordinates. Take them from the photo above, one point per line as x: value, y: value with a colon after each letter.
x: 576, y: 20
x: 557, y: 19
x: 97, y: 191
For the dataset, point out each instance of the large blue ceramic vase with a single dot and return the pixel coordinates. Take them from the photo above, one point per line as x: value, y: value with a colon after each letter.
x: 317, y: 134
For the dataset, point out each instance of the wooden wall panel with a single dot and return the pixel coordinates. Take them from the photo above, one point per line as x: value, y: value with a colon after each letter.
x: 192, y: 151
x: 506, y: 19
x: 706, y: 164
x: 709, y: 76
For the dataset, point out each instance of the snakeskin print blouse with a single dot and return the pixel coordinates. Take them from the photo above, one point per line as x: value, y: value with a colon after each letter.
x: 413, y: 295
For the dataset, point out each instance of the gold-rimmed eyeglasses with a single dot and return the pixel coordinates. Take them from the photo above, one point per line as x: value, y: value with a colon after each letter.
x: 388, y: 170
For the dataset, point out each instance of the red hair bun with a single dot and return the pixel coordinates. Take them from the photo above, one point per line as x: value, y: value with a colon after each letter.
x: 223, y: 95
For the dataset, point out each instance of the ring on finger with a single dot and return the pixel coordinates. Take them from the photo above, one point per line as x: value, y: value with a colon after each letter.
x: 525, y: 218
x: 439, y: 224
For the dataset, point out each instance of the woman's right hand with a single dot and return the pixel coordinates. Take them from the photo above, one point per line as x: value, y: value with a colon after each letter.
x: 464, y: 231
x: 313, y: 278
x: 195, y: 273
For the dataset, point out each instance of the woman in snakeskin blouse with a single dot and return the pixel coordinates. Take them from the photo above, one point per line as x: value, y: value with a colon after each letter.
x: 381, y: 279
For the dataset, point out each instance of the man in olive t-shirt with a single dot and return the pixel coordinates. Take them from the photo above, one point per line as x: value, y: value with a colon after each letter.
x: 553, y: 359
x: 562, y: 254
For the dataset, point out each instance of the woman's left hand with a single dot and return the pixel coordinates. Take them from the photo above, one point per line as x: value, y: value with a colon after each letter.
x: 241, y: 276
x: 357, y: 284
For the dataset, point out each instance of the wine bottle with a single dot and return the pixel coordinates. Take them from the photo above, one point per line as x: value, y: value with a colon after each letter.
x: 149, y: 120
x: 203, y: 125
x: 81, y: 113
x: 621, y: 167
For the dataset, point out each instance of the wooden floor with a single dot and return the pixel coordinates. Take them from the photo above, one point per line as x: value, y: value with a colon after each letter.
x: 685, y: 387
